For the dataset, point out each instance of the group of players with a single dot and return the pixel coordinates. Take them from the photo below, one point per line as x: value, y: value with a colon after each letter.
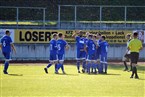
x: 57, y: 52
x: 91, y: 52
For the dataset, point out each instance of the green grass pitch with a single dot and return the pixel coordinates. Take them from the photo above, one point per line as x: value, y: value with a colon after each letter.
x: 27, y: 80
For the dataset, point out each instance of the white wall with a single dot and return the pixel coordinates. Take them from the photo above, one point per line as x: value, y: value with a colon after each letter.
x: 41, y: 52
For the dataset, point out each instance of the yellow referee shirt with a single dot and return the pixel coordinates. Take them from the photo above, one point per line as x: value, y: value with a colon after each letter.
x: 135, y: 45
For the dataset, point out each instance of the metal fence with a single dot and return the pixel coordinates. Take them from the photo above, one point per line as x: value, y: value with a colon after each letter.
x: 28, y: 21
x: 97, y: 19
x: 99, y: 22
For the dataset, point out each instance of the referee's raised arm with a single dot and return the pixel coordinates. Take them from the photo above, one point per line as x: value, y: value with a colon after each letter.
x: 135, y: 46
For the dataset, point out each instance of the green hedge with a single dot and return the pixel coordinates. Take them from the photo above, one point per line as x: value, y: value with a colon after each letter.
x: 83, y: 14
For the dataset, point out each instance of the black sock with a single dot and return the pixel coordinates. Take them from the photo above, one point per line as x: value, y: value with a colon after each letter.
x: 136, y: 72
x: 91, y: 69
x: 133, y: 71
x: 125, y: 65
x: 130, y: 66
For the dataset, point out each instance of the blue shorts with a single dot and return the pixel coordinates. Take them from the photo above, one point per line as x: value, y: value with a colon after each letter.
x: 91, y: 57
x: 7, y: 55
x: 61, y: 57
x: 103, y: 58
x: 81, y: 55
x: 53, y: 57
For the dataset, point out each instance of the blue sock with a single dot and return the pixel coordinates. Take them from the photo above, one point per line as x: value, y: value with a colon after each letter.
x: 62, y: 67
x: 88, y: 67
x: 101, y: 67
x: 106, y: 65
x: 98, y: 67
x: 95, y: 66
x: 56, y: 67
x: 6, y: 65
x: 78, y: 65
x: 48, y: 65
x: 84, y: 64
x: 92, y: 67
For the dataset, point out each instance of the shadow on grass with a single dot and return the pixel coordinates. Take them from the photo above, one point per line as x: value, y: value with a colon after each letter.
x: 142, y: 72
x: 102, y: 74
x: 141, y: 79
x: 15, y: 74
x: 121, y: 67
x: 113, y: 74
x: 68, y: 74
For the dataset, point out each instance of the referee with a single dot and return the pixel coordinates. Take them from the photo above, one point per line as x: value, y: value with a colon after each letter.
x: 135, y: 46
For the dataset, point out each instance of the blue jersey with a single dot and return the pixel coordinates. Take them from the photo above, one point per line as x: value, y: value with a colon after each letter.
x: 61, y: 44
x: 91, y: 47
x: 80, y: 42
x: 86, y: 40
x: 6, y: 43
x: 53, y: 47
x: 99, y: 49
x: 104, y: 47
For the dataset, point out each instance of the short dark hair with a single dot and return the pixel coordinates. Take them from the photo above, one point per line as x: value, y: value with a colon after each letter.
x: 60, y: 34
x: 54, y: 35
x: 135, y: 34
x: 99, y: 34
x: 7, y: 31
x: 90, y: 35
x: 80, y: 31
x: 95, y: 36
x: 104, y: 37
x: 129, y: 35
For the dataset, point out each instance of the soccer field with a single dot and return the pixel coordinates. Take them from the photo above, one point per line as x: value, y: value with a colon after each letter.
x: 30, y: 81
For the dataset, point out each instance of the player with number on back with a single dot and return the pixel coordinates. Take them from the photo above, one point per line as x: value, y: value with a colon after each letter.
x: 6, y: 45
x: 91, y: 49
x: 86, y: 54
x: 80, y: 45
x: 95, y: 65
x: 53, y: 54
x: 62, y: 45
x: 98, y: 52
x: 104, y: 50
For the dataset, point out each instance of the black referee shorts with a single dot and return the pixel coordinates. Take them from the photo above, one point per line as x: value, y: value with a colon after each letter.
x: 134, y: 56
